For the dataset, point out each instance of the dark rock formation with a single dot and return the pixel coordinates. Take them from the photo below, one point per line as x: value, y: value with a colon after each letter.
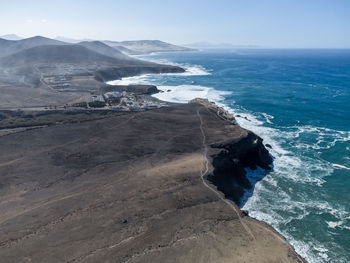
x: 229, y: 174
x: 113, y: 73
x: 129, y: 188
x: 137, y: 89
x: 231, y: 156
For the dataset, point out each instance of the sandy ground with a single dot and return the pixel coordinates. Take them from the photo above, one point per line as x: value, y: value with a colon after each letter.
x: 130, y: 188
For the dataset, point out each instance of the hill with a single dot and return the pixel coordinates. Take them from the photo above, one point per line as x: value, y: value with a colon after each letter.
x: 57, y: 74
x: 54, y: 54
x: 8, y: 47
x: 11, y: 37
x: 76, y: 59
x: 40, y: 71
x: 147, y: 46
x: 11, y: 44
x: 104, y: 49
x: 127, y: 51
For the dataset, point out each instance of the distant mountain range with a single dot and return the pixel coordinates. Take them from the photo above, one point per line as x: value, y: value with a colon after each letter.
x: 41, y: 51
x: 136, y: 47
x: 28, y: 61
x: 11, y: 37
x: 58, y: 54
x: 146, y: 46
x: 8, y: 47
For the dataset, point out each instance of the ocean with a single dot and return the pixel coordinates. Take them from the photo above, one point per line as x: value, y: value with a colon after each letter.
x: 298, y: 101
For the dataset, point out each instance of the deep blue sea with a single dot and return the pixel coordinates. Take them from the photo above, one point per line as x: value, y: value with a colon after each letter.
x: 298, y: 101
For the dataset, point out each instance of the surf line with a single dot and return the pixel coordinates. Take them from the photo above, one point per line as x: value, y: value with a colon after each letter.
x: 340, y: 166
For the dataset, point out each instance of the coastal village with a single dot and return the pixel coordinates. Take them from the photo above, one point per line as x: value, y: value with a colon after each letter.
x: 121, y: 101
x: 127, y: 101
x: 121, y: 98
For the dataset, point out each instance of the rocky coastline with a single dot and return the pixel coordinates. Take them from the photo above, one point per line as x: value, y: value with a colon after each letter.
x: 131, y: 181
x: 153, y: 193
x: 231, y: 157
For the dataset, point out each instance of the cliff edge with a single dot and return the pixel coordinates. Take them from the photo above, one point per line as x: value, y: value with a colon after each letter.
x: 134, y: 187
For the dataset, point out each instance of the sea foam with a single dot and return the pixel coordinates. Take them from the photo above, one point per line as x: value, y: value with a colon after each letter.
x: 185, y: 93
x: 289, y: 165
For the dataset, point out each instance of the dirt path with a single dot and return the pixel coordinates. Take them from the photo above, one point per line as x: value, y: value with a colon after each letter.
x: 206, y: 170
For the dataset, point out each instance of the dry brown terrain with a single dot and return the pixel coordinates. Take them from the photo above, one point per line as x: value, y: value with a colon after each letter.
x: 128, y: 188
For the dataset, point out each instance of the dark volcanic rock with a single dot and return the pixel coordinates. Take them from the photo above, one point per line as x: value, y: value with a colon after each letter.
x: 230, y: 156
x: 113, y: 73
x: 229, y: 174
x: 137, y: 89
x: 132, y: 188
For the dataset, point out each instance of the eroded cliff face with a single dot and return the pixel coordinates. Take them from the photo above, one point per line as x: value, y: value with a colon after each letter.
x: 229, y: 164
x: 231, y: 156
x: 113, y: 73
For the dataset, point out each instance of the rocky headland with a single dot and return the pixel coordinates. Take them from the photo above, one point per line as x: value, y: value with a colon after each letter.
x: 145, y: 186
x: 91, y: 172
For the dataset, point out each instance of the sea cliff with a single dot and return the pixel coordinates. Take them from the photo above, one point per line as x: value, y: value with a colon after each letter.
x: 134, y: 187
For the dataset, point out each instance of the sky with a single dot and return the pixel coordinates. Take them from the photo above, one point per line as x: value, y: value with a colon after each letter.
x: 265, y: 23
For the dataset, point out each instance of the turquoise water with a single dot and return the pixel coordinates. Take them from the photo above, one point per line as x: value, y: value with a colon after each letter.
x: 298, y: 101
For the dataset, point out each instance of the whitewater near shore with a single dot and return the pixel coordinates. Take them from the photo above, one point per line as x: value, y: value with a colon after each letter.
x: 90, y: 197
x: 269, y: 95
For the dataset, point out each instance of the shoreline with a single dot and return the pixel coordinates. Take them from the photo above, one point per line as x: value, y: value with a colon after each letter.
x: 223, y: 147
x: 154, y: 190
x: 223, y: 108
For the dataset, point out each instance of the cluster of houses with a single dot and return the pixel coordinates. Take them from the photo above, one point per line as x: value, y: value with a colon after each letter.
x: 126, y: 101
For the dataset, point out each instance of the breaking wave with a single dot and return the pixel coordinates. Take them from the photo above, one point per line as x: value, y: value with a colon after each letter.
x: 282, y: 198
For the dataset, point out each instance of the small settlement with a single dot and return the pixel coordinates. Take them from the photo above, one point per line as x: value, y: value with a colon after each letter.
x: 121, y: 100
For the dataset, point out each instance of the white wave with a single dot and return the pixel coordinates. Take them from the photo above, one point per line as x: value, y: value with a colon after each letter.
x: 185, y: 93
x: 306, y: 249
x: 150, y: 79
x: 194, y: 70
x: 253, y: 177
x: 334, y: 224
x: 289, y: 165
x: 324, y: 138
x: 268, y: 117
x: 337, y: 225
x: 190, y: 69
x: 142, y: 79
x: 340, y: 166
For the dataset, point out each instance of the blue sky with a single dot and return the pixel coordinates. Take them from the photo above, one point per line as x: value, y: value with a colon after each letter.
x: 268, y: 23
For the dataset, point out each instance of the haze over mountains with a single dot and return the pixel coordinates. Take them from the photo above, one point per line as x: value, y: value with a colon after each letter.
x: 50, y: 70
x: 139, y: 47
x: 147, y: 46
x: 8, y: 47
x: 11, y: 37
x: 136, y: 47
